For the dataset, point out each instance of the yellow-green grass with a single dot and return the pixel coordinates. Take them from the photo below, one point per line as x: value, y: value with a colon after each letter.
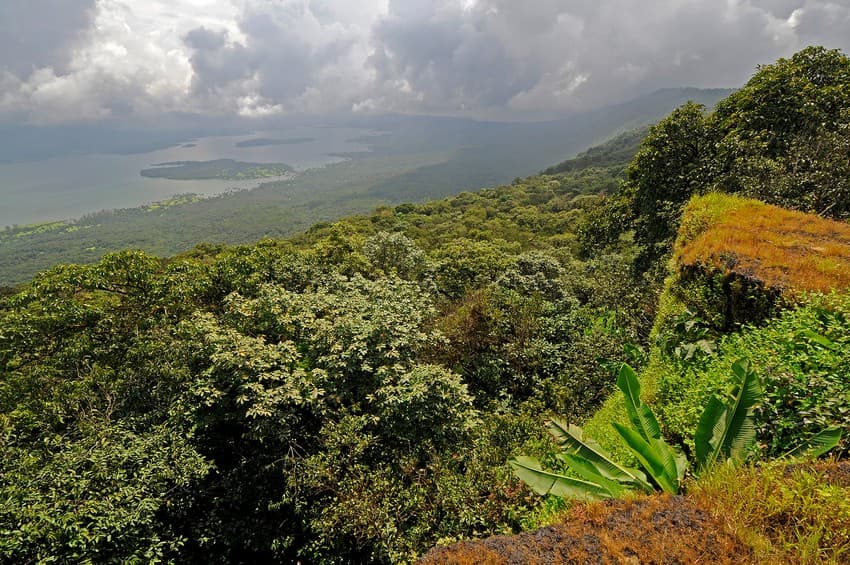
x: 784, y: 249
x: 798, y: 513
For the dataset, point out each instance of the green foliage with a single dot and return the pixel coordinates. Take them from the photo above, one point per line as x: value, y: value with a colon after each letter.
x: 783, y: 138
x: 260, y: 391
x: 802, y: 357
x: 819, y: 444
x: 792, y: 98
x: 95, y: 497
x: 666, y: 468
x: 93, y: 456
x: 726, y: 432
x: 599, y: 476
x: 664, y: 174
x: 604, y: 225
x: 686, y: 338
x: 394, y: 252
x: 726, y: 429
x: 352, y: 394
x: 612, y: 153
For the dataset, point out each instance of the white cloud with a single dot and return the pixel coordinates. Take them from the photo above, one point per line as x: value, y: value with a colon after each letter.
x: 113, y: 58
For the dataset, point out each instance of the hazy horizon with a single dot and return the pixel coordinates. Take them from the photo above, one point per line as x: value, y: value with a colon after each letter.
x: 104, y: 61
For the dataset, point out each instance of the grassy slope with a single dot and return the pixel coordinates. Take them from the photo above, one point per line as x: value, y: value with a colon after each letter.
x: 784, y: 249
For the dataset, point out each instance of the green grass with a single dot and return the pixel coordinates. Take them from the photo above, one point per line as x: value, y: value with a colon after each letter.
x: 787, y: 514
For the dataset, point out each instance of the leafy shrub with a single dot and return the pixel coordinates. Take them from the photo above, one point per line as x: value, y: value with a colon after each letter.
x: 96, y: 498
x: 394, y: 253
x: 802, y: 356
x: 783, y: 138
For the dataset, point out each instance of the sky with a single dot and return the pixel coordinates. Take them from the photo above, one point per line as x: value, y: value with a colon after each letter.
x: 72, y: 61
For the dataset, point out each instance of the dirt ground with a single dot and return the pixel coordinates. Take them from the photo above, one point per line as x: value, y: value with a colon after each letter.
x: 659, y: 529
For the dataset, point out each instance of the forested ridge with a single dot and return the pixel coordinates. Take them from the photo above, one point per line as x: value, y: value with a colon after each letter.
x: 354, y: 393
x: 418, y: 158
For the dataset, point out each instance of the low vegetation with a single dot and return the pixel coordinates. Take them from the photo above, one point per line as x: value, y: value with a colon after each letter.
x: 767, y: 514
x: 354, y: 393
x: 785, y: 513
x: 224, y: 169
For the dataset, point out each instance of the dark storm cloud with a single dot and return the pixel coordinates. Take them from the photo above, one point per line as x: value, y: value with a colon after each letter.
x: 564, y: 55
x: 286, y: 61
x: 37, y: 33
x: 488, y: 58
x: 446, y: 57
x: 215, y: 63
x: 287, y: 52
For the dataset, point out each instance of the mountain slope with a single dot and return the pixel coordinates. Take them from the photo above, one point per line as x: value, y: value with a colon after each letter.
x: 420, y: 158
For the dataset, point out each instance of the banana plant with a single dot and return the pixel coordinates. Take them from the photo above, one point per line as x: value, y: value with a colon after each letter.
x: 665, y: 465
x: 816, y: 445
x: 595, y: 473
x: 725, y: 432
x: 726, y: 429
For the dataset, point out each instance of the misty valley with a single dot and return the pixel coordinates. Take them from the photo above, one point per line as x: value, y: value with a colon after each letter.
x: 469, y: 281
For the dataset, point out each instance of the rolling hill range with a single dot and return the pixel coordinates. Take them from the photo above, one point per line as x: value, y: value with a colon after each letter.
x: 416, y: 159
x: 637, y: 357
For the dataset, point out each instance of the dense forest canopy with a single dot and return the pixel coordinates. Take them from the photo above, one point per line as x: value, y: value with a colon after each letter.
x: 354, y: 393
x: 246, y: 399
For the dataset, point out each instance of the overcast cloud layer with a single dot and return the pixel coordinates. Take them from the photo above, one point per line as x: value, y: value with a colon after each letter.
x: 77, y: 60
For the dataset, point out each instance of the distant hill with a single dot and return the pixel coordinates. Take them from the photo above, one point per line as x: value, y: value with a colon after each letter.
x: 614, y: 152
x: 417, y: 158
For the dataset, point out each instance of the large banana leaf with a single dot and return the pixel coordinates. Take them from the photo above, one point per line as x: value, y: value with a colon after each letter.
x: 726, y: 429
x: 656, y: 456
x: 587, y: 471
x: 571, y: 439
x: 817, y: 445
x: 545, y: 482
x: 640, y: 414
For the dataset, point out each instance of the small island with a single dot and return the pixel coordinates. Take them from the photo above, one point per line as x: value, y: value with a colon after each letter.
x: 220, y: 169
x: 263, y: 141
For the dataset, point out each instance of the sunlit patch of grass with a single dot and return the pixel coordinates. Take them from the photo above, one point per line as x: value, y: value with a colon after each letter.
x: 786, y: 513
x: 788, y: 250
x: 32, y: 229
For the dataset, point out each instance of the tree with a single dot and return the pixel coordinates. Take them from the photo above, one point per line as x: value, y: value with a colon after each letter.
x: 665, y: 173
x: 785, y: 136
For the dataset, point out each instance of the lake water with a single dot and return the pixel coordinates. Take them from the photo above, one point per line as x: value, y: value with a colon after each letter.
x: 69, y: 187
